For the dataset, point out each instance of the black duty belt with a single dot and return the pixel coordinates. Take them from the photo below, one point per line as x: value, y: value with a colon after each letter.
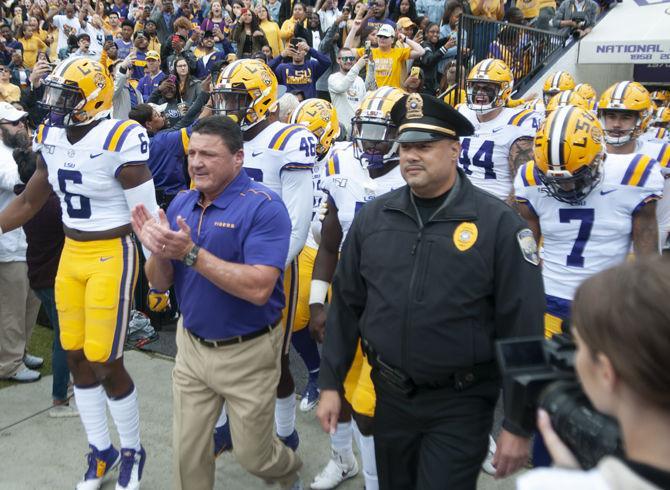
x: 238, y: 339
x: 402, y: 384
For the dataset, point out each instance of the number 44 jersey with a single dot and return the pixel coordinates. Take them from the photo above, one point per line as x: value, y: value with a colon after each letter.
x: 581, y: 240
x: 83, y: 174
x: 485, y: 155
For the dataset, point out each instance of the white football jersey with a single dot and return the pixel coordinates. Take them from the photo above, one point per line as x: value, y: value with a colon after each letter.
x: 282, y: 157
x: 83, y: 174
x: 653, y: 134
x: 318, y: 173
x: 485, y: 155
x: 581, y: 240
x: 278, y: 148
x: 350, y: 186
x: 659, y: 151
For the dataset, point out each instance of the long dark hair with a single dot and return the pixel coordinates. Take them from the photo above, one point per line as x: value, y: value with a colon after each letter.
x: 411, y: 13
x: 188, y: 79
x: 449, y: 9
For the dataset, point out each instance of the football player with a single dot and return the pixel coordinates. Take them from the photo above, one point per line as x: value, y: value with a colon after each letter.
x: 658, y: 127
x: 557, y: 82
x: 660, y: 97
x: 585, y: 215
x: 624, y: 110
x: 588, y: 93
x: 503, y: 136
x: 564, y: 99
x: 282, y: 157
x: 97, y: 167
x: 361, y: 172
x: 320, y: 117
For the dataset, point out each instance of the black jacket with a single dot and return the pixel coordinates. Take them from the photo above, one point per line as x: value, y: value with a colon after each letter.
x: 424, y: 306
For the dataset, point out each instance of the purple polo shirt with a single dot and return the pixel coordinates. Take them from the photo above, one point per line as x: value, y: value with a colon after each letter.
x: 246, y: 224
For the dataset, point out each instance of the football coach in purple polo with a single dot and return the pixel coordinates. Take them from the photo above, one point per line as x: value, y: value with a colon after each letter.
x: 223, y: 245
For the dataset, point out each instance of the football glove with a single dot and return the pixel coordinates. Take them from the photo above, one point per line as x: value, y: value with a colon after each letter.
x: 158, y: 301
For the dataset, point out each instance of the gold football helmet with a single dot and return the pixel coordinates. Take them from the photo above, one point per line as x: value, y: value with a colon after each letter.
x: 536, y: 105
x: 588, y: 93
x: 492, y: 80
x: 630, y: 97
x: 320, y: 118
x: 555, y: 83
x: 660, y: 97
x: 569, y: 152
x: 661, y: 118
x: 245, y: 91
x: 567, y: 98
x: 78, y: 92
x: 372, y: 130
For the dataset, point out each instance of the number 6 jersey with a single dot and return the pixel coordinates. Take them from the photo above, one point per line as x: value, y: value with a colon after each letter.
x: 581, y: 240
x: 83, y: 174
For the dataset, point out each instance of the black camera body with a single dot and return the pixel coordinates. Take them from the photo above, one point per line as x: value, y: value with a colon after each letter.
x: 541, y: 373
x: 579, y: 19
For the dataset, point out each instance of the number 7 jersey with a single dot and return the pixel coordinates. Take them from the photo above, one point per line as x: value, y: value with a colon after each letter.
x: 581, y: 240
x: 83, y: 174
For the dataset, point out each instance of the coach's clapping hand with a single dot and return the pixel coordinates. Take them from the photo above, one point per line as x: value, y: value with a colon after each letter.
x: 156, y: 235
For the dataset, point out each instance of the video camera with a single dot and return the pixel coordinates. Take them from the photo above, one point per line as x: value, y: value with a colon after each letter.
x: 580, y: 19
x: 541, y: 373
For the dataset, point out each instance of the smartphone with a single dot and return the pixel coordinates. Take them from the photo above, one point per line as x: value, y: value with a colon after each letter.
x: 415, y: 72
x: 172, y: 78
x: 368, y: 49
x: 109, y: 38
x: 294, y: 43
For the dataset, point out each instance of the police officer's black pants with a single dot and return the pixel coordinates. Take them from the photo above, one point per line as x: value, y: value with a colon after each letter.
x: 436, y: 439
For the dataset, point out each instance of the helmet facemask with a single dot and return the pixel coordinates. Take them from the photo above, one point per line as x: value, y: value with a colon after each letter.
x: 478, y: 89
x: 374, y: 141
x: 235, y: 103
x: 548, y: 94
x: 573, y: 188
x: 65, y: 102
x: 627, y: 134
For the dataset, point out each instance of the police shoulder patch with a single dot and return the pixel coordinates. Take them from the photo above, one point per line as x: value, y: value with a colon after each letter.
x: 528, y: 246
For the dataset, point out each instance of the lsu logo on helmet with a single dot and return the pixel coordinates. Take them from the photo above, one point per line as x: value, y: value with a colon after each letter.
x: 568, y: 152
x: 246, y: 91
x: 78, y: 92
x: 320, y: 117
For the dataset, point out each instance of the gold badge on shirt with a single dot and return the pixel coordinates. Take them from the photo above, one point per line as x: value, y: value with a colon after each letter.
x: 465, y: 236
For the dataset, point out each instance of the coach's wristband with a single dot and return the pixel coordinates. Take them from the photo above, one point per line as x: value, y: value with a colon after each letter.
x: 318, y: 292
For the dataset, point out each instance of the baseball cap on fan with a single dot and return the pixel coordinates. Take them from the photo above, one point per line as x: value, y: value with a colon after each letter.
x: 10, y: 113
x: 386, y: 30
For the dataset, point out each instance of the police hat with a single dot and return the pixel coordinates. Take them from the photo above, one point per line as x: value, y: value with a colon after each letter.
x: 421, y: 117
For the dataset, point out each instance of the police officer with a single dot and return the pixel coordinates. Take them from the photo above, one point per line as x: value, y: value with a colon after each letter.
x: 430, y: 276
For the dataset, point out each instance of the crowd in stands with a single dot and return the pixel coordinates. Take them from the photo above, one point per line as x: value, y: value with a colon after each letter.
x: 164, y: 46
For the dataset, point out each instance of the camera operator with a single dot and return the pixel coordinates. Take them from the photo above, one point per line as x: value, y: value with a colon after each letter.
x: 621, y: 326
x: 576, y: 16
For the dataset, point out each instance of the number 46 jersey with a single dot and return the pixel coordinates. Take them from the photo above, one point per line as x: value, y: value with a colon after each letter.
x: 581, y: 240
x: 83, y: 174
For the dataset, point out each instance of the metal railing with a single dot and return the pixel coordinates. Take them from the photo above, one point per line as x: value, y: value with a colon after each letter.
x: 526, y: 50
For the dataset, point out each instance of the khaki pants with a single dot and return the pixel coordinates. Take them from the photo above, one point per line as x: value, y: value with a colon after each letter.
x: 18, y: 312
x: 245, y: 376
